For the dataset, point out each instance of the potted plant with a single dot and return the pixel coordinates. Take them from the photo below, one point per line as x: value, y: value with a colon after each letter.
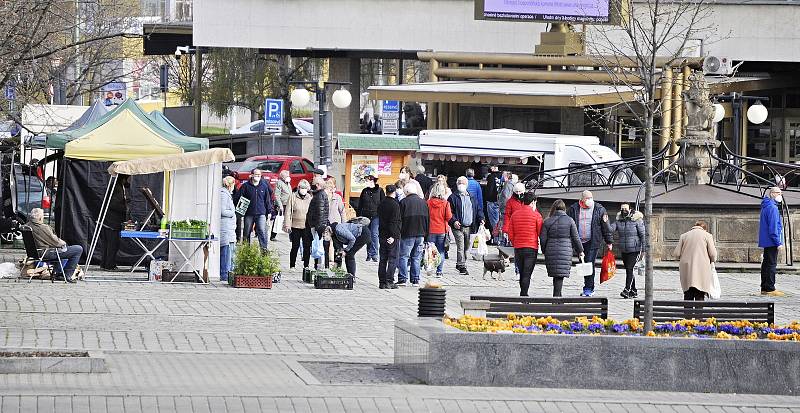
x: 254, y: 268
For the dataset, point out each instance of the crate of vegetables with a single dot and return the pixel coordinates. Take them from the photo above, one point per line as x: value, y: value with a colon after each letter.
x: 189, y: 229
x: 336, y: 279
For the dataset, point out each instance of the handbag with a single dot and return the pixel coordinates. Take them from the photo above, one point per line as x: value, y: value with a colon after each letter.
x: 581, y: 269
x: 609, y: 267
x: 716, y: 291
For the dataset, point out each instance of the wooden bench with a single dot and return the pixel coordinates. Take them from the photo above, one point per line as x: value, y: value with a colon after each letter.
x: 564, y: 308
x: 757, y: 312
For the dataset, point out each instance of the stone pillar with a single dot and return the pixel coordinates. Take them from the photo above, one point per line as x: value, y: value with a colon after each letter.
x: 346, y: 70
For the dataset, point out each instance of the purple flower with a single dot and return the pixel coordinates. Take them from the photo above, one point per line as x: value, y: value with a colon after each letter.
x: 748, y: 330
x: 619, y: 328
x: 576, y: 326
x: 596, y: 327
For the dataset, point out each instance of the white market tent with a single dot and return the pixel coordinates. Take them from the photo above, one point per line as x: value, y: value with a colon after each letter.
x: 194, y: 180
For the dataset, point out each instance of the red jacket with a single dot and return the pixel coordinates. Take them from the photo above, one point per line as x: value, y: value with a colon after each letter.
x: 512, y: 205
x: 524, y: 227
x: 440, y: 213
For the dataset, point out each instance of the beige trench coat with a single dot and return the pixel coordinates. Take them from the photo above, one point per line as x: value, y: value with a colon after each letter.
x: 697, y: 251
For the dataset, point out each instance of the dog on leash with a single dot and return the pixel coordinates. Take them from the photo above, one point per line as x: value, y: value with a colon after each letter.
x: 495, y: 263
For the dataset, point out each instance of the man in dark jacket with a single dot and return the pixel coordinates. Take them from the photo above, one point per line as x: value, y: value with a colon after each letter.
x: 259, y: 193
x: 414, y: 229
x: 389, y: 214
x: 349, y: 238
x: 317, y: 215
x: 467, y: 217
x: 494, y: 185
x: 368, y: 202
x: 591, y: 220
x: 425, y: 182
x: 770, y: 237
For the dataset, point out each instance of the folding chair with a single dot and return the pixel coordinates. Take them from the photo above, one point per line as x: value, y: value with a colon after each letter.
x: 32, y: 252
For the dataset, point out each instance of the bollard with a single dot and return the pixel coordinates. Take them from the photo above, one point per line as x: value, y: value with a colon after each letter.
x: 431, y: 302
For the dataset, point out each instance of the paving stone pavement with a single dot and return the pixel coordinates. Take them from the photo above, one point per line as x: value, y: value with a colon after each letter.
x: 187, y: 347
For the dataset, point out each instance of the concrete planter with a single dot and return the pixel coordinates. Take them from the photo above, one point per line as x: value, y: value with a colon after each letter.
x: 442, y: 355
x: 88, y: 362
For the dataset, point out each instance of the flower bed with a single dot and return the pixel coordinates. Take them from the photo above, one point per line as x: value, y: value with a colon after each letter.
x: 709, y: 328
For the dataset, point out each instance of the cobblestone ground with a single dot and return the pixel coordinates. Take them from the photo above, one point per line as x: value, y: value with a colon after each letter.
x: 186, y: 347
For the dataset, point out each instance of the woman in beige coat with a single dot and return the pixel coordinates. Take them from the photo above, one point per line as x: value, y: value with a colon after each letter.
x: 696, y: 251
x: 294, y: 223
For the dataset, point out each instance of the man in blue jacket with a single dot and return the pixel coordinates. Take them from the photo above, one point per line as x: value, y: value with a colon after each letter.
x: 770, y: 237
x: 259, y: 193
x: 474, y: 188
x: 467, y: 218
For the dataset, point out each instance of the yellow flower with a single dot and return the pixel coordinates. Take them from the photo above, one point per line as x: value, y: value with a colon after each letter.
x: 651, y: 333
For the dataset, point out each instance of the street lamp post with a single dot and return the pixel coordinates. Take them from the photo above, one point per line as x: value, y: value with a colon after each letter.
x: 323, y: 127
x: 756, y: 114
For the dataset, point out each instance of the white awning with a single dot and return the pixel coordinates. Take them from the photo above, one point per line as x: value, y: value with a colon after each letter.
x: 171, y: 162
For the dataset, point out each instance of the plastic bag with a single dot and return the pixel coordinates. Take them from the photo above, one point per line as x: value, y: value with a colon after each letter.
x: 581, y: 269
x: 8, y: 270
x: 317, y: 249
x: 716, y: 291
x: 277, y: 225
x: 431, y: 257
x: 477, y: 245
x: 609, y: 267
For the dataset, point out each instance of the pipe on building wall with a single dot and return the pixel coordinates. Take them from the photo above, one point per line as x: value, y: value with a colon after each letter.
x: 540, y: 75
x: 434, y: 68
x: 666, y: 109
x: 522, y: 59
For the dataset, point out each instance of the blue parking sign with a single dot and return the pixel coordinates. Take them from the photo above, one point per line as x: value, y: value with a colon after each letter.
x: 273, y: 115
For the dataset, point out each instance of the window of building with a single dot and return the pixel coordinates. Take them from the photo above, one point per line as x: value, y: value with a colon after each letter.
x: 474, y: 117
x: 154, y: 8
x: 183, y: 10
x: 762, y: 142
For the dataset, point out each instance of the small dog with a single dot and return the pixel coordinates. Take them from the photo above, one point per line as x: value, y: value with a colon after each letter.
x: 495, y: 263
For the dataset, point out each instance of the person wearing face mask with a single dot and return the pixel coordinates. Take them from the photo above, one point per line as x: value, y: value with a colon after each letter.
x: 591, y: 219
x: 467, y: 216
x: 474, y: 188
x: 513, y: 204
x: 368, y: 202
x: 770, y: 238
x: 406, y: 176
x: 524, y: 229
x: 283, y: 190
x: 630, y: 228
x: 494, y: 186
x: 227, y: 227
x: 260, y: 195
x: 335, y: 214
x: 317, y: 219
x: 294, y: 223
x: 390, y: 235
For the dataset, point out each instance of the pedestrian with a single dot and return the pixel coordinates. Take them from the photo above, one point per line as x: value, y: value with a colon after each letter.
x: 414, y: 228
x: 467, y: 217
x: 559, y: 241
x: 227, y: 226
x: 425, y: 183
x: 294, y: 223
x: 442, y: 179
x: 770, y: 238
x: 629, y: 226
x: 696, y: 251
x: 259, y: 193
x: 350, y: 237
x: 494, y: 184
x: 474, y: 188
x: 591, y: 219
x: 335, y: 214
x: 46, y: 238
x: 512, y: 204
x: 389, y: 214
x: 440, y: 215
x: 317, y: 217
x: 506, y: 193
x: 283, y: 190
x: 524, y: 228
x: 368, y: 202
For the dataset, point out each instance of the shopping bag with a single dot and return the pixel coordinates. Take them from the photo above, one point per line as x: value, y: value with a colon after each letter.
x: 581, y: 269
x: 477, y: 245
x: 715, y: 292
x: 431, y: 257
x: 241, y: 207
x: 349, y: 213
x: 485, y: 231
x: 609, y: 267
x: 317, y: 248
x: 277, y: 224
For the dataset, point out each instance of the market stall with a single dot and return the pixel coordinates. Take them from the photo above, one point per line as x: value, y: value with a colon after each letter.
x: 124, y: 133
x: 193, y: 196
x: 379, y: 155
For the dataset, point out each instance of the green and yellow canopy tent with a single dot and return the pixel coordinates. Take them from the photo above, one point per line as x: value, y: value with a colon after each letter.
x: 122, y: 134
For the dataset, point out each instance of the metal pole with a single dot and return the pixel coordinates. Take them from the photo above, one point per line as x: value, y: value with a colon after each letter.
x: 198, y: 95
x: 103, y: 210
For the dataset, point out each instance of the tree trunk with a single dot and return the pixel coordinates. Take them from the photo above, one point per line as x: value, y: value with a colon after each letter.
x: 648, y: 213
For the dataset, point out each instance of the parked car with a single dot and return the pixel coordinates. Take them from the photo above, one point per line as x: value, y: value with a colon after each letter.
x: 304, y: 128
x: 27, y: 192
x: 271, y: 166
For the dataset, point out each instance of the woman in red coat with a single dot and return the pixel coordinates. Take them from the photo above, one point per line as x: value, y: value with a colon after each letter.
x: 523, y: 231
x: 440, y: 214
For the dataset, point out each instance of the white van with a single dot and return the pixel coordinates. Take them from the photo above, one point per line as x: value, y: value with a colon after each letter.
x: 532, y: 153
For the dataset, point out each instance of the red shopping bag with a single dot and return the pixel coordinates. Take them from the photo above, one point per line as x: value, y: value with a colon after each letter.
x: 609, y: 267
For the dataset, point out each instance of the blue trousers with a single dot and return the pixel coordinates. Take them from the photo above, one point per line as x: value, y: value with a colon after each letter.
x: 590, y: 255
x: 439, y: 240
x: 410, y: 248
x: 225, y: 253
x: 260, y: 222
x: 372, y: 249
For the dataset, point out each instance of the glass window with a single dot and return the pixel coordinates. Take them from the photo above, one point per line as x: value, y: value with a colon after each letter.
x: 473, y: 117
x: 761, y: 142
x: 528, y: 119
x: 309, y: 166
x: 257, y: 127
x: 793, y: 134
x: 296, y: 168
x: 265, y: 166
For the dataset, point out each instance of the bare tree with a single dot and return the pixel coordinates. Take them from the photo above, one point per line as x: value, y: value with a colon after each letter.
x: 636, y: 54
x: 45, y: 44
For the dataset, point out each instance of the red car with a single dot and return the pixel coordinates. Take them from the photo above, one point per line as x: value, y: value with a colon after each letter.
x: 271, y: 165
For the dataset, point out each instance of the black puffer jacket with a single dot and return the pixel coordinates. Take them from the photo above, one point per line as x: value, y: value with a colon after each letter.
x: 630, y: 231
x: 558, y: 240
x: 601, y: 230
x: 317, y: 216
x: 369, y: 201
